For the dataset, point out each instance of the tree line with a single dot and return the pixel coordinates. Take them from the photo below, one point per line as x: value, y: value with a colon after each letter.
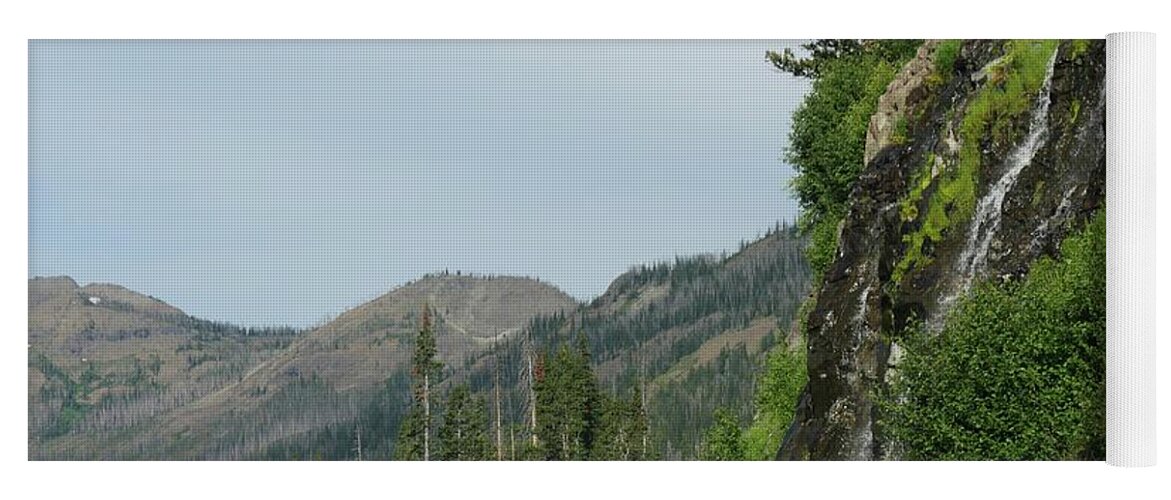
x: 571, y: 418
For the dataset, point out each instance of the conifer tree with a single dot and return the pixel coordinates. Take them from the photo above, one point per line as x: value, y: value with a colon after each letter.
x: 587, y: 388
x: 621, y: 430
x: 567, y: 405
x: 463, y: 435
x: 414, y: 440
x: 409, y: 445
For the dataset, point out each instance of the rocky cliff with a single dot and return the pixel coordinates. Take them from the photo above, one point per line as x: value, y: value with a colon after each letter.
x: 981, y: 157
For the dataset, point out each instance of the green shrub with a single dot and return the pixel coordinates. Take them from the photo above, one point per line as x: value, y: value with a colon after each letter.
x: 828, y: 138
x: 823, y: 243
x: 1018, y: 371
x: 722, y: 441
x: 783, y: 378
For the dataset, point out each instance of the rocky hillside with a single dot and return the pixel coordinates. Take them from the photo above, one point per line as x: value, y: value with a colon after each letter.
x: 982, y: 157
x: 267, y: 387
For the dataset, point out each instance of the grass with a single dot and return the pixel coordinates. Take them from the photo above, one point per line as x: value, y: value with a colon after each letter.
x: 989, y: 116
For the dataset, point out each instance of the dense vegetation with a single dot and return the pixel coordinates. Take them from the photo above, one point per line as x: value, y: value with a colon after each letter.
x: 578, y: 421
x: 828, y: 136
x: 645, y: 339
x: 728, y: 291
x: 784, y: 375
x: 703, y: 297
x: 682, y: 408
x: 781, y: 379
x: 370, y: 435
x: 1018, y: 372
x: 573, y: 419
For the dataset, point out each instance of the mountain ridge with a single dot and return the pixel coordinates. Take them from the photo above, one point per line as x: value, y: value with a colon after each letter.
x: 257, y: 394
x: 354, y: 352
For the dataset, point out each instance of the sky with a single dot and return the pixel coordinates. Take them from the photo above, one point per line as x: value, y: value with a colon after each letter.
x: 282, y: 182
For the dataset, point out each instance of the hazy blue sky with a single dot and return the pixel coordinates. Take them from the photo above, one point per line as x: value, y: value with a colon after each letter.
x: 281, y: 182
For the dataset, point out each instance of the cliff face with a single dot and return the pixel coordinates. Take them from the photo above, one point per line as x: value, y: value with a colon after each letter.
x: 982, y: 156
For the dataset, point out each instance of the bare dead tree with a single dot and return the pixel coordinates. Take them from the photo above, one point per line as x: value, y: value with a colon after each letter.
x: 358, y: 442
x: 496, y: 369
x: 532, y: 391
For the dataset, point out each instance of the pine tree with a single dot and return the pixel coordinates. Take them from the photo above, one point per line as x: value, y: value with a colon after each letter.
x: 463, y: 435
x: 622, y: 429
x: 568, y: 404
x: 409, y: 445
x: 612, y: 439
x: 414, y: 440
x: 587, y: 390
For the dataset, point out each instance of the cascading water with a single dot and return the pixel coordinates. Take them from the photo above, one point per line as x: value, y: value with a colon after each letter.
x: 986, y: 219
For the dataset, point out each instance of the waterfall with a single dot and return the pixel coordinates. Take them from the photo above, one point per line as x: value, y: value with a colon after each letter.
x: 986, y: 219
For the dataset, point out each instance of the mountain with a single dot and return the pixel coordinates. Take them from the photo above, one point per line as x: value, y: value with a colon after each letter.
x: 946, y: 282
x: 118, y: 375
x: 103, y: 358
x: 982, y: 158
x: 242, y: 391
x: 690, y: 334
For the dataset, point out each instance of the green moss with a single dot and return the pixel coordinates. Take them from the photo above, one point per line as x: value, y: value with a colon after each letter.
x: 909, y: 212
x: 1075, y: 107
x: 1078, y: 47
x: 909, y: 205
x: 990, y: 115
x: 1038, y: 192
x: 946, y: 54
x: 900, y: 134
